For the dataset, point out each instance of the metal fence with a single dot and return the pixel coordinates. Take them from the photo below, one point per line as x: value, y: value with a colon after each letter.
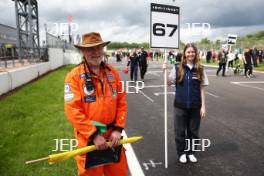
x: 56, y: 42
x: 9, y: 56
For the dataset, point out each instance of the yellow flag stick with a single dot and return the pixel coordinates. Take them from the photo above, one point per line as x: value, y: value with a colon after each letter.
x: 52, y: 159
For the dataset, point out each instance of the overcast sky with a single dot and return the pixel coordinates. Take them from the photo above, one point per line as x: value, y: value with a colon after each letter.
x: 129, y: 20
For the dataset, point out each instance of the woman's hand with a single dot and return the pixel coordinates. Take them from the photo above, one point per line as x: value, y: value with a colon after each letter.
x: 202, y: 112
x: 164, y: 66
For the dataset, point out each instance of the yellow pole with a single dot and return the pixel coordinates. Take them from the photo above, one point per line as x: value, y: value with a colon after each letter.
x: 52, y: 159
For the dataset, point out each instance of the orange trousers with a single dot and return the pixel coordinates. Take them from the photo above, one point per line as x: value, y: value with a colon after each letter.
x: 116, y: 169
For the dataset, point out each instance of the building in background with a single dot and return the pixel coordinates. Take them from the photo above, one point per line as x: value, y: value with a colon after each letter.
x: 8, y: 40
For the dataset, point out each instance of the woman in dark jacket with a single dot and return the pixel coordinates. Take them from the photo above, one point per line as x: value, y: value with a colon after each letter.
x: 134, y: 64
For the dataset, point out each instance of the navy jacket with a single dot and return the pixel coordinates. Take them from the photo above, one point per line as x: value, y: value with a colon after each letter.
x: 188, y: 92
x: 133, y: 61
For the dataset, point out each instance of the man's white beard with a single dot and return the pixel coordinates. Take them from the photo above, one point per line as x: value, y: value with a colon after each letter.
x: 95, y: 63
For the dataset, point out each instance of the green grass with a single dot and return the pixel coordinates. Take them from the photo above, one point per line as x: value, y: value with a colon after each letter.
x: 202, y: 61
x: 260, y: 67
x: 30, y: 119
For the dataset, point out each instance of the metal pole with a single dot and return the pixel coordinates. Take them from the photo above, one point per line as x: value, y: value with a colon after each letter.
x: 5, y: 58
x: 13, y: 56
x: 30, y: 30
x: 165, y: 112
x: 46, y: 32
x: 37, y: 27
x: 18, y: 31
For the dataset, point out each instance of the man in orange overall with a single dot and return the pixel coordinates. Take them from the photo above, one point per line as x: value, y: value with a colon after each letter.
x: 93, y: 93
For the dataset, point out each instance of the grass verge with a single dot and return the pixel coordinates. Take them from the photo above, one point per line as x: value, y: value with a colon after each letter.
x: 30, y: 119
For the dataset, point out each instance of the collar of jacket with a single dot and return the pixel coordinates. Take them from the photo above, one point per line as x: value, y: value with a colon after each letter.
x: 187, y: 67
x: 103, y: 65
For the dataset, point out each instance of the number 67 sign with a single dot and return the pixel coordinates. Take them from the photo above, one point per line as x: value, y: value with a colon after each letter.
x: 164, y: 29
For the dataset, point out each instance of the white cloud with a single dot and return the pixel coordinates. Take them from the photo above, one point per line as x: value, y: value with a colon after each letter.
x: 221, y: 33
x: 128, y: 20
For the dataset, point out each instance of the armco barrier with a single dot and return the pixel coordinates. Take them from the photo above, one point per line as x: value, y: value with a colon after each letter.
x: 55, y: 57
x: 4, y: 83
x: 23, y: 75
x: 43, y: 68
x: 72, y: 57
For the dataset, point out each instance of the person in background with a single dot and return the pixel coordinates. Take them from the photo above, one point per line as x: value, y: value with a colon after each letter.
x: 118, y: 56
x: 254, y: 56
x: 260, y: 53
x: 214, y: 55
x: 231, y: 57
x: 143, y: 63
x: 178, y: 57
x: 208, y: 56
x: 134, y: 64
x: 248, y: 60
x: 222, y: 58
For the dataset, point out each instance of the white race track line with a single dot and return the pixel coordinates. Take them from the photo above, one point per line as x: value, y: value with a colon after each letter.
x: 133, y: 164
x: 155, y: 74
x: 162, y: 93
x: 154, y: 86
x: 243, y: 84
x: 150, y: 99
x: 156, y: 71
x: 247, y: 82
x: 173, y: 93
x: 213, y: 95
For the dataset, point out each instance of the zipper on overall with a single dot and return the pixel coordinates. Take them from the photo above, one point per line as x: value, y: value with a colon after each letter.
x: 188, y: 91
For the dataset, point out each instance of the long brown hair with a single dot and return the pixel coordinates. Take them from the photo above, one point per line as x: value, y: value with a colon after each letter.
x: 198, y: 68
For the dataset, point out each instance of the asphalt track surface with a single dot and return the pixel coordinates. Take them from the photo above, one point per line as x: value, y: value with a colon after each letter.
x: 233, y: 124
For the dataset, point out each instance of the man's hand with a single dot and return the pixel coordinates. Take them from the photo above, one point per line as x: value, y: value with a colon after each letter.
x: 100, y: 142
x: 115, y: 138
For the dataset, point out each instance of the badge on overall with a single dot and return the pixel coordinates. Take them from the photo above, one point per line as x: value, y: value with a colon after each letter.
x: 110, y: 77
x: 88, y: 92
x: 89, y: 98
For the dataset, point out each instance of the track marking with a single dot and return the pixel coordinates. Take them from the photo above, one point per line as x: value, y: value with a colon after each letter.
x: 133, y: 164
x: 173, y: 93
x: 155, y: 74
x: 242, y: 84
x: 156, y: 71
x: 150, y: 99
x: 209, y: 70
x: 247, y: 82
x: 155, y: 86
x: 162, y: 93
x: 208, y: 93
x: 152, y: 164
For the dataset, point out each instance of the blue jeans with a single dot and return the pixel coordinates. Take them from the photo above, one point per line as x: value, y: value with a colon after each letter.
x: 133, y: 72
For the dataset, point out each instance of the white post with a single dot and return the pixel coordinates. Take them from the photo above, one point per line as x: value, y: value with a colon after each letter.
x: 165, y: 112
